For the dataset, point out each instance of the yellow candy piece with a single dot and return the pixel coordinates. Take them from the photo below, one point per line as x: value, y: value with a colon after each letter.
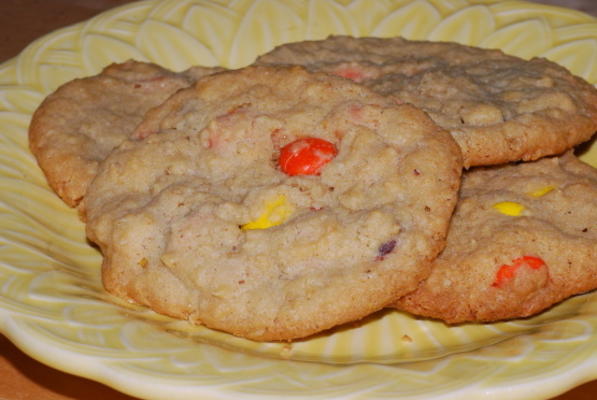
x: 509, y: 208
x: 542, y: 191
x: 276, y: 212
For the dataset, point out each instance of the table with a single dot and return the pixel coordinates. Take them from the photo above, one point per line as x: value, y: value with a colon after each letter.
x: 21, y: 377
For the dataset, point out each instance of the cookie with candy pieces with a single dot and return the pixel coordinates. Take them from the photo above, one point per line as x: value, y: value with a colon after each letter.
x: 523, y: 238
x: 499, y: 108
x: 274, y: 203
x: 78, y: 125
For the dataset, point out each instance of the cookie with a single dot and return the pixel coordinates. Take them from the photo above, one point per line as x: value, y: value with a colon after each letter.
x: 273, y: 203
x: 523, y: 238
x: 498, y: 107
x: 76, y: 127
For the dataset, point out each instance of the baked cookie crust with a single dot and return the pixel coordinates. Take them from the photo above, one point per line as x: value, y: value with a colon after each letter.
x: 78, y: 125
x: 498, y: 107
x: 523, y: 238
x: 196, y: 219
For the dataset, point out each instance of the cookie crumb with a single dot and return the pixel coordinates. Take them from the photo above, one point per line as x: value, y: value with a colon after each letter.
x: 143, y: 262
x: 286, y: 351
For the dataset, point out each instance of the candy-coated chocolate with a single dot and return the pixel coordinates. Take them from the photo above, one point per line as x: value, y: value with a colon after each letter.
x: 306, y: 156
x: 509, y: 208
x: 507, y: 272
x: 542, y: 191
x: 275, y: 213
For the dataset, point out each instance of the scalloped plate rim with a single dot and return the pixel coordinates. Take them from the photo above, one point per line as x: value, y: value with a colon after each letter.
x: 100, y: 371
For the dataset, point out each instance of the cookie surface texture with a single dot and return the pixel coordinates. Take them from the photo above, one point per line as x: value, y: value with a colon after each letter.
x: 197, y: 219
x: 498, y: 107
x: 523, y: 238
x: 77, y: 126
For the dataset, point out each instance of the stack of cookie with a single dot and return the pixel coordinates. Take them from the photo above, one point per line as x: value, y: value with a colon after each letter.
x: 329, y: 180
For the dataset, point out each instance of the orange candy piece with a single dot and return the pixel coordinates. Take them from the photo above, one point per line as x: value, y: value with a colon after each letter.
x: 306, y: 156
x: 507, y: 272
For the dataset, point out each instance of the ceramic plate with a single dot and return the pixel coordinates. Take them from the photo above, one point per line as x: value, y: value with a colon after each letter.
x: 51, y: 301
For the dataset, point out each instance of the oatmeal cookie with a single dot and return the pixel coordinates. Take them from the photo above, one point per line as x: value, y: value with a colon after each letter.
x: 274, y: 203
x: 523, y: 238
x: 76, y: 127
x: 498, y: 107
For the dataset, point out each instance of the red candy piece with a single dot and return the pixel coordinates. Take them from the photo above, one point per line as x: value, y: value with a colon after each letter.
x: 354, y: 74
x: 507, y: 272
x: 306, y: 156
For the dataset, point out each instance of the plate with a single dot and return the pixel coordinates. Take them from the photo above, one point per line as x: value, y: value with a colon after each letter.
x: 51, y: 300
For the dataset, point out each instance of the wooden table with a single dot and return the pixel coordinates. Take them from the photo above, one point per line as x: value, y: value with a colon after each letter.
x: 21, y: 377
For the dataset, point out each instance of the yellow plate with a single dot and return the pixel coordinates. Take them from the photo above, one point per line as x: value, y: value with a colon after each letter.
x: 51, y: 301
